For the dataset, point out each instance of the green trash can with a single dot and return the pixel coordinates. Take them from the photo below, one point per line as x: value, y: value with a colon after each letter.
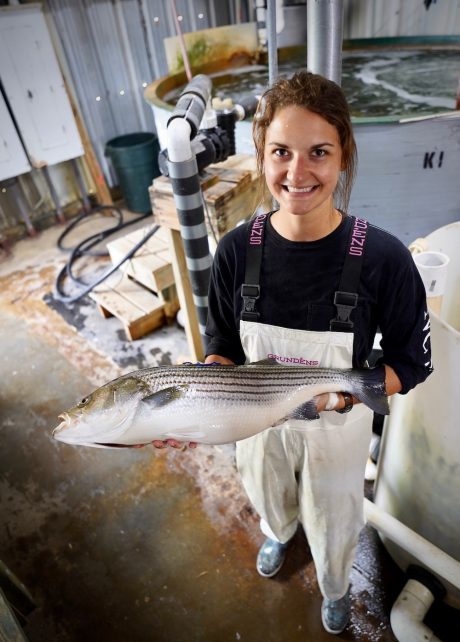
x: 135, y: 160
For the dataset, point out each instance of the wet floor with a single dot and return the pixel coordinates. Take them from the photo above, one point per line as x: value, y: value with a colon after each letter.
x: 138, y: 544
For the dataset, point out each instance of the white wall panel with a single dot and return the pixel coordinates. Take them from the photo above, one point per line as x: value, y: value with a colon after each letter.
x: 13, y: 159
x: 34, y: 87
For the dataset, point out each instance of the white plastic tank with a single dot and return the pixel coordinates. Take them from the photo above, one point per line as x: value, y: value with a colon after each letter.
x: 418, y: 479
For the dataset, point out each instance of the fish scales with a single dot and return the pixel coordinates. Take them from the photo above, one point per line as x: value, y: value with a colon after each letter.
x: 254, y: 381
x: 236, y: 376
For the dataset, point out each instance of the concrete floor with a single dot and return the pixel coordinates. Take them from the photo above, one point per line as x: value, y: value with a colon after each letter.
x: 140, y: 544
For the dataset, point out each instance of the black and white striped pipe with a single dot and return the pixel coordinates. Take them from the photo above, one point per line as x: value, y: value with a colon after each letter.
x: 188, y: 199
x: 261, y: 20
x: 192, y: 102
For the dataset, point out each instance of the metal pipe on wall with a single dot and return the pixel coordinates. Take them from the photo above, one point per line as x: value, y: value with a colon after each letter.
x: 81, y: 185
x: 272, y: 42
x: 324, y: 38
x: 21, y: 204
x: 54, y: 197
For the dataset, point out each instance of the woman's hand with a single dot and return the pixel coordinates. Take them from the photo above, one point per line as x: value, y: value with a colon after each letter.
x: 173, y: 443
x: 331, y: 401
x: 321, y: 401
x: 336, y: 401
x: 158, y: 443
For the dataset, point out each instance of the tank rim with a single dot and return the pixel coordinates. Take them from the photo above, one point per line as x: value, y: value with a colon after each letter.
x: 155, y: 91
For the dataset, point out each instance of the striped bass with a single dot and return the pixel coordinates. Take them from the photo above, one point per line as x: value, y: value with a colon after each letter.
x: 212, y: 404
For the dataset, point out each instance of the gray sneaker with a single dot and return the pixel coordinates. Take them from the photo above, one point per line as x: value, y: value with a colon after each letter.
x: 271, y: 557
x: 336, y: 613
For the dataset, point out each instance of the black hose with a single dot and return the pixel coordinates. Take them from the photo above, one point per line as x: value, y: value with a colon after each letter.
x: 73, y: 224
x: 84, y: 248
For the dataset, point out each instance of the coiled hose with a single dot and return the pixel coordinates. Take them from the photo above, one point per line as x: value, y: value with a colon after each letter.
x: 84, y: 248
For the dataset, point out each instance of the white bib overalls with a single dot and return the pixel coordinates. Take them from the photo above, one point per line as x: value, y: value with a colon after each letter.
x: 309, y: 471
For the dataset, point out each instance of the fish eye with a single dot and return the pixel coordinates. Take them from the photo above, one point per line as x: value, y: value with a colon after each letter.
x: 83, y: 402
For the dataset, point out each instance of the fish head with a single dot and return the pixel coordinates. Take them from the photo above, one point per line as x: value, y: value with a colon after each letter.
x: 103, y: 414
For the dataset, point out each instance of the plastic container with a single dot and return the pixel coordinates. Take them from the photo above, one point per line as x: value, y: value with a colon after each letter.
x: 418, y: 479
x: 433, y: 268
x: 135, y: 161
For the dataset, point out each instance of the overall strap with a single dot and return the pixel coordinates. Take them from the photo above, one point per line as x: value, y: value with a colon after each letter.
x: 250, y: 290
x: 346, y: 297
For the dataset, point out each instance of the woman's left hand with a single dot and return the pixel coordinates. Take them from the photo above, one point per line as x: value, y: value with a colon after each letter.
x: 321, y: 401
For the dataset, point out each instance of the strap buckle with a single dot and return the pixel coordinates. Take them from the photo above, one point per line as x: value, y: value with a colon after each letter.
x: 250, y: 294
x: 345, y: 302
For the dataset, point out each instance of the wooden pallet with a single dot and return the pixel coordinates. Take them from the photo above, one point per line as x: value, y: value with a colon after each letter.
x: 139, y: 309
x: 229, y: 192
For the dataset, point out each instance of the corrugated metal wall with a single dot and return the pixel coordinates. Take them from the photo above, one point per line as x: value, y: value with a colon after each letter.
x: 392, y: 18
x: 114, y: 48
x: 110, y: 49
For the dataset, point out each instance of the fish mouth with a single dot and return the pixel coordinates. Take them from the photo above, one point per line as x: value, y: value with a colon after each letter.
x: 64, y: 423
x: 76, y: 429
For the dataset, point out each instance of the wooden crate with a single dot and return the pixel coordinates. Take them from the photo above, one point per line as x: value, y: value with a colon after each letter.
x: 151, y: 265
x: 139, y: 309
x: 229, y: 190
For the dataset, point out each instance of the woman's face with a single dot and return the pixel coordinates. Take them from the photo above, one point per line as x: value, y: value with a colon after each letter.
x: 302, y: 161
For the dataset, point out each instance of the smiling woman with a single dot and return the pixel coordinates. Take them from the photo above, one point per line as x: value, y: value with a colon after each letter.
x: 303, y: 293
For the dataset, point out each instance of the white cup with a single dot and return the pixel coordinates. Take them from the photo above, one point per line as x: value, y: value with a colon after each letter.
x: 432, y: 267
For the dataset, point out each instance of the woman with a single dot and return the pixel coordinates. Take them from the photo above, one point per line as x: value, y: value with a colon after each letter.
x: 308, y: 283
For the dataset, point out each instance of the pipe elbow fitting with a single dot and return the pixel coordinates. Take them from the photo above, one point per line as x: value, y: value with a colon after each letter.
x: 408, y: 612
x: 179, y: 145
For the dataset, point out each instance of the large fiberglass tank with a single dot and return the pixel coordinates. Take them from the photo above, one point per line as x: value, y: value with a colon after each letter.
x: 418, y: 479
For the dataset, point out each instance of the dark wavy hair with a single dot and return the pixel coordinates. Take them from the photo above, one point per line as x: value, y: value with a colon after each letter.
x: 323, y: 97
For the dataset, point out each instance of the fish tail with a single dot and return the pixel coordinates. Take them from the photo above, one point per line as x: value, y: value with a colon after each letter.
x: 369, y: 388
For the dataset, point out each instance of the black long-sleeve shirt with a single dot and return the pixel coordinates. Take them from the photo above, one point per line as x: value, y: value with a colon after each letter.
x: 297, y: 285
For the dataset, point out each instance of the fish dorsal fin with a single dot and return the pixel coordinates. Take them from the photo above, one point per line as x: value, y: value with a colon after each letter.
x: 165, y: 396
x: 269, y: 361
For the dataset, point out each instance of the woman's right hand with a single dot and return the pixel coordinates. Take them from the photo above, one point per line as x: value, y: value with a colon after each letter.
x: 173, y: 443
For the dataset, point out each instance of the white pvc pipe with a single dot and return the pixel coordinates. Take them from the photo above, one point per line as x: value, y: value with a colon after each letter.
x: 408, y: 612
x: 179, y: 146
x: 433, y: 558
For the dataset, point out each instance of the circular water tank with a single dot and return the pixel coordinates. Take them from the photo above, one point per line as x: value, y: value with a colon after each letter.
x: 418, y: 478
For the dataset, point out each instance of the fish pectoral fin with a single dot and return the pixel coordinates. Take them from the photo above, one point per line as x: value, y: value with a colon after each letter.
x: 305, y: 411
x: 165, y: 396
